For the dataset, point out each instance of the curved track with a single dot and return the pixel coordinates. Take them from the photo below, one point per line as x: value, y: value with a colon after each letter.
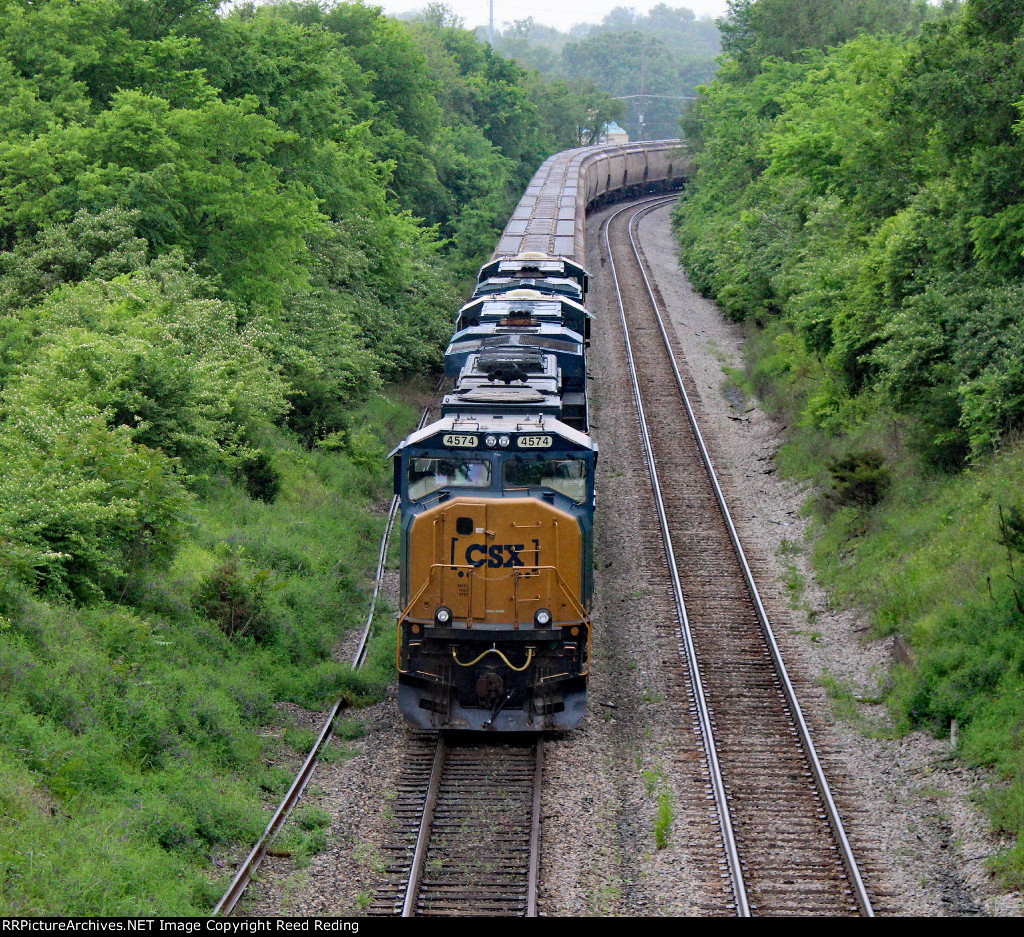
x: 467, y: 831
x: 787, y: 851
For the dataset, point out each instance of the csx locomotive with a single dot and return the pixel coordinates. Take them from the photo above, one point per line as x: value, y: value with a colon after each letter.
x: 497, y: 496
x: 497, y: 506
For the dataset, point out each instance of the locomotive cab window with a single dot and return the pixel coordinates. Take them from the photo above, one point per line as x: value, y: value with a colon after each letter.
x: 427, y: 475
x: 567, y: 476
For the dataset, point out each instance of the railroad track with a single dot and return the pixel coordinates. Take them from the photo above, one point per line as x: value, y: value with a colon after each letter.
x: 466, y: 836
x: 466, y: 833
x: 786, y: 848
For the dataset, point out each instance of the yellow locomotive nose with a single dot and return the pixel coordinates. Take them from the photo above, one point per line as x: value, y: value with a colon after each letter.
x: 495, y: 562
x: 496, y: 632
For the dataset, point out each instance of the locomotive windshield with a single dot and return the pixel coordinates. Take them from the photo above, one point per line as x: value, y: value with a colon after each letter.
x: 430, y: 475
x: 568, y: 476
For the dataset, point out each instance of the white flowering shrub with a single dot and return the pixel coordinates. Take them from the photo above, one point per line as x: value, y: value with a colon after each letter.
x: 173, y: 369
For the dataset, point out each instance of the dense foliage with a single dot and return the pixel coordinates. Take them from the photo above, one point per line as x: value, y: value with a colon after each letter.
x: 220, y: 235
x: 651, y: 62
x: 858, y: 202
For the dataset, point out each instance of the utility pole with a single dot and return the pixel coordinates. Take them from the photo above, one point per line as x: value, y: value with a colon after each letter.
x: 490, y: 24
x: 643, y: 76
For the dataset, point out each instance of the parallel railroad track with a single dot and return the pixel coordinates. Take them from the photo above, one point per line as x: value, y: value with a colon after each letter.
x: 786, y: 849
x: 466, y: 838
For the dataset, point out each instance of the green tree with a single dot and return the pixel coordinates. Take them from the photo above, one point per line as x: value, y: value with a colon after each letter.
x: 754, y: 31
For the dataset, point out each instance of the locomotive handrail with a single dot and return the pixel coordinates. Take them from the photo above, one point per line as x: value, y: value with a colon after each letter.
x: 406, y: 614
x: 573, y: 601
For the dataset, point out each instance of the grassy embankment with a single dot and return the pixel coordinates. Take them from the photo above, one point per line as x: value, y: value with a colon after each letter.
x: 137, y: 737
x: 857, y: 202
x: 930, y: 562
x: 220, y: 235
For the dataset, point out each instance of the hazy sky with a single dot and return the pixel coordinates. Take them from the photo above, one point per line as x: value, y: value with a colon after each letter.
x: 561, y: 14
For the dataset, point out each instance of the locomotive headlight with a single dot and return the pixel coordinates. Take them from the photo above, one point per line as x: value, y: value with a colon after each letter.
x: 491, y: 441
x: 542, y: 618
x: 443, y: 616
x: 503, y: 441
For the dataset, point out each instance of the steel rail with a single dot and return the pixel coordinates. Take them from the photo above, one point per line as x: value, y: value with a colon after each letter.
x: 252, y: 862
x: 807, y: 743
x: 534, y: 877
x: 412, y: 888
x: 256, y: 856
x: 706, y: 728
x: 422, y: 847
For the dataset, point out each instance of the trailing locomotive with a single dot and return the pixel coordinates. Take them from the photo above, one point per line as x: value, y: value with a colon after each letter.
x: 497, y: 496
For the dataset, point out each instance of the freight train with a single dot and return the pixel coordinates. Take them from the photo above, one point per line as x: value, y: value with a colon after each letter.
x: 497, y: 496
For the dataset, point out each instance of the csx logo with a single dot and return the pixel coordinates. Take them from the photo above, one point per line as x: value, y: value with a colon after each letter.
x: 495, y: 556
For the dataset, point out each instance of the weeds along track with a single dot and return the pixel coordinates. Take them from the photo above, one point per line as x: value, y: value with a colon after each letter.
x: 359, y: 658
x: 254, y: 860
x: 786, y: 849
x: 466, y: 834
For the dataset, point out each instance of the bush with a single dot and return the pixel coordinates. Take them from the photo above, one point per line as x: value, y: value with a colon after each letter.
x: 81, y: 507
x: 858, y: 479
x: 98, y: 245
x: 176, y: 370
x: 237, y: 597
x: 259, y: 477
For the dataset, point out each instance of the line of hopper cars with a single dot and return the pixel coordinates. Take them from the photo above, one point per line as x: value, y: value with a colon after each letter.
x: 497, y: 496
